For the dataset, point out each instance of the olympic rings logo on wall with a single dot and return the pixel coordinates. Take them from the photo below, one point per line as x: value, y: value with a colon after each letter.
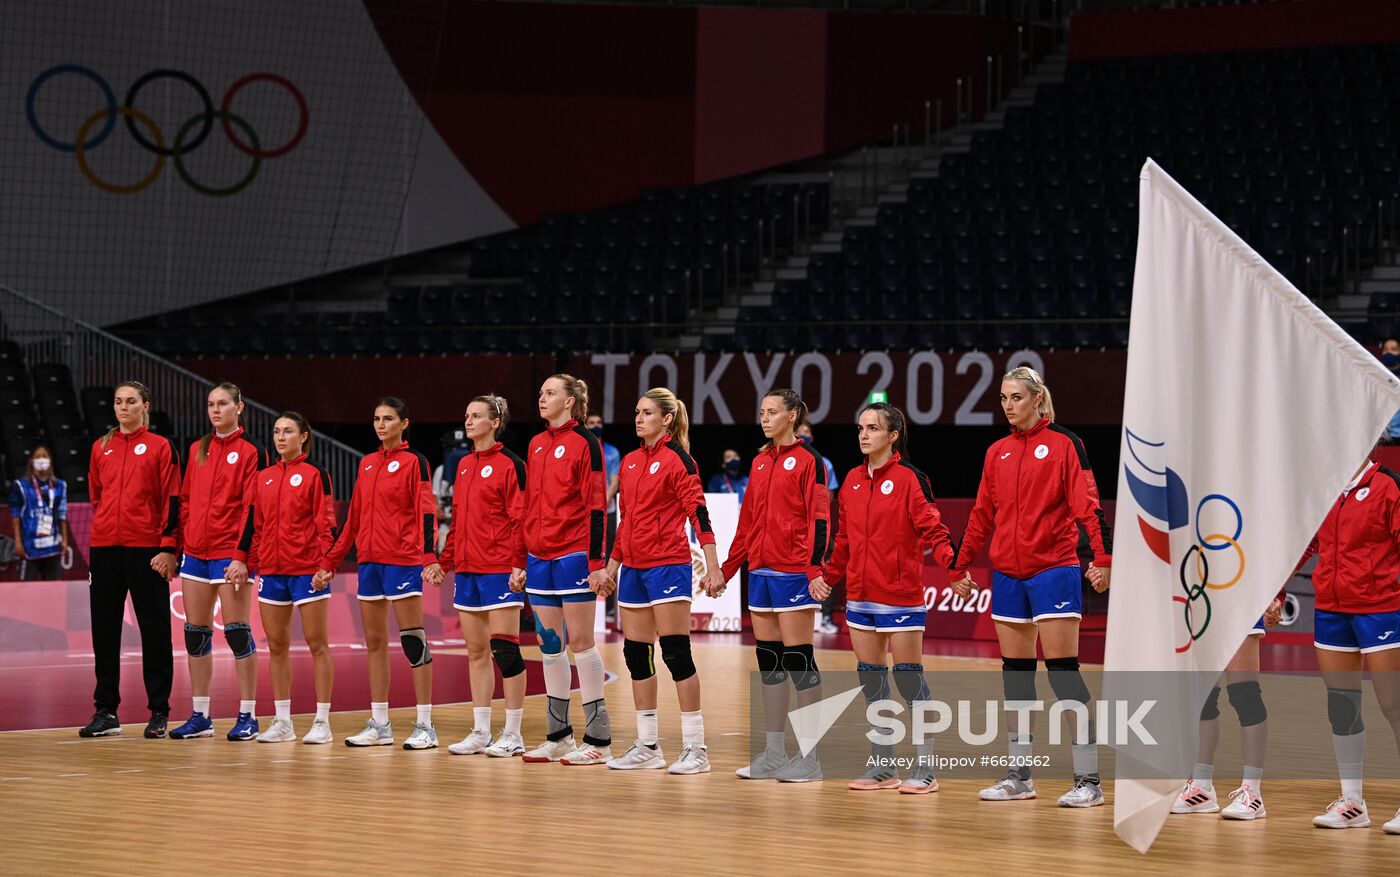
x: 1168, y: 503
x: 189, y: 137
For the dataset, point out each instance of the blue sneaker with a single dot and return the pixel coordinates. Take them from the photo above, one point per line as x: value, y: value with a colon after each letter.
x: 198, y: 725
x: 246, y: 728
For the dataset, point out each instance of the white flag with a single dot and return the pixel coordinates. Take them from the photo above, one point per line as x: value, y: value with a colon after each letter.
x: 1246, y: 412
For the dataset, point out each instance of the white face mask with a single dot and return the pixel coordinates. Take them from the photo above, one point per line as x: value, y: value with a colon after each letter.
x: 41, y: 464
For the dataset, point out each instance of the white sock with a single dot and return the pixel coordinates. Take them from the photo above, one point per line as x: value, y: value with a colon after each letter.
x: 379, y: 712
x: 201, y: 706
x: 647, y: 731
x: 425, y: 714
x: 693, y: 728
x: 323, y: 712
x: 556, y: 675
x: 777, y: 742
x: 1253, y: 777
x: 590, y: 674
x: 283, y: 708
x: 1351, y: 755
x: 248, y: 706
x: 481, y: 718
x: 513, y: 718
x: 1203, y: 774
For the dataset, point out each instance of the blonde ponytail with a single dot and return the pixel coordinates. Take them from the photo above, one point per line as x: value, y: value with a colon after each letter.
x: 1035, y: 386
x: 668, y: 403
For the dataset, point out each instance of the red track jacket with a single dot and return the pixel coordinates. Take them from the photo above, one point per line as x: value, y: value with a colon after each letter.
x: 488, y: 514
x: 134, y: 483
x: 291, y: 522
x: 393, y: 513
x: 783, y: 521
x: 567, y: 496
x: 885, y: 523
x: 1358, y: 547
x: 215, y: 495
x: 659, y: 488
x: 1035, y: 486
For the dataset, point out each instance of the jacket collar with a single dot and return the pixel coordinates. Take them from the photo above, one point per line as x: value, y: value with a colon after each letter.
x: 567, y: 426
x: 288, y: 464
x: 1371, y: 469
x: 133, y: 436
x: 883, y: 470
x: 1040, y: 426
x: 656, y: 448
x: 230, y: 437
x: 401, y: 446
x: 489, y: 452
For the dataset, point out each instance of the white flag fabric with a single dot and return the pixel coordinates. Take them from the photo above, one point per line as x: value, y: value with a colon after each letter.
x: 1246, y: 412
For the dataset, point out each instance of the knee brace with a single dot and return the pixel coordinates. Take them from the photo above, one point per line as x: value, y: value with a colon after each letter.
x: 770, y: 661
x: 1066, y: 680
x: 875, y: 680
x: 415, y: 646
x: 675, y: 651
x: 909, y: 679
x: 1248, y: 701
x: 1344, y: 711
x: 199, y: 640
x: 1211, y: 710
x: 240, y: 639
x: 505, y: 651
x: 640, y: 660
x: 801, y: 666
x: 1018, y: 679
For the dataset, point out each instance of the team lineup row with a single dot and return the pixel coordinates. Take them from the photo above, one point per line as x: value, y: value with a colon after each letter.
x: 535, y: 526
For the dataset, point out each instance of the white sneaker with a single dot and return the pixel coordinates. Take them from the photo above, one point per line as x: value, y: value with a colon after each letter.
x: 587, y: 754
x: 550, y: 750
x: 1344, y: 813
x: 320, y: 733
x: 1084, y: 793
x: 1196, y: 799
x: 280, y: 731
x: 825, y: 625
x: 764, y: 767
x: 639, y: 757
x: 694, y: 759
x: 1393, y: 826
x: 423, y: 737
x: 1010, y: 788
x: 474, y: 743
x: 801, y: 769
x: 1245, y: 804
x: 508, y: 745
x: 374, y: 734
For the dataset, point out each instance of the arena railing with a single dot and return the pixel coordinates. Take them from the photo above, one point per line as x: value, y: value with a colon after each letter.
x: 99, y: 359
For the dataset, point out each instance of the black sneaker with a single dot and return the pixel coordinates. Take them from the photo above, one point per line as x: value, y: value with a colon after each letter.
x: 155, y: 728
x: 103, y: 724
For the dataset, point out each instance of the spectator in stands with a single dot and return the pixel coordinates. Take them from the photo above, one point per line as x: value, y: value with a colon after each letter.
x: 1390, y: 358
x: 39, y: 512
x: 731, y: 477
x: 826, y: 623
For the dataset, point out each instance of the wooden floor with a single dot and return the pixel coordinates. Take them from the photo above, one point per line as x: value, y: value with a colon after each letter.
x: 132, y: 806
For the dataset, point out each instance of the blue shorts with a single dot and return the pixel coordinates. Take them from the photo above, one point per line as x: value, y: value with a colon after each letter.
x: 1345, y: 632
x: 289, y: 590
x: 640, y: 588
x: 558, y: 581
x: 771, y: 591
x: 478, y: 592
x: 385, y: 581
x: 1054, y: 593
x: 882, y: 618
x: 1259, y: 628
x: 211, y: 571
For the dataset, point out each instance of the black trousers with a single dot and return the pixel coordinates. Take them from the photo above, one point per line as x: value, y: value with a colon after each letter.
x: 42, y: 569
x: 117, y: 572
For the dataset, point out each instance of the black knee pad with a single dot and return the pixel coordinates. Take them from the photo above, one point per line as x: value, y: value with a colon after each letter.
x: 240, y: 639
x: 1066, y: 680
x: 1211, y: 710
x: 1248, y: 701
x: 675, y: 651
x: 801, y: 666
x: 199, y: 640
x: 640, y: 661
x: 913, y: 687
x: 875, y: 680
x: 1344, y: 711
x: 506, y: 653
x: 770, y: 661
x: 1018, y: 678
x: 415, y: 646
